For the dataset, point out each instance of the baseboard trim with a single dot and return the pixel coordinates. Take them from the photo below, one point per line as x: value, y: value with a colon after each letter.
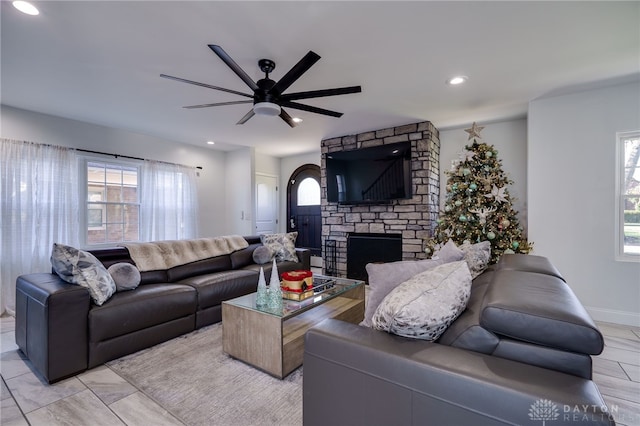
x: 615, y: 316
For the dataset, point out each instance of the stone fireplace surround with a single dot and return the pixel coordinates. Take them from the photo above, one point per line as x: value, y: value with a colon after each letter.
x: 413, y: 218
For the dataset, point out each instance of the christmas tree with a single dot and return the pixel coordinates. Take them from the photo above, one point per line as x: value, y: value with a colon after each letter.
x: 478, y: 206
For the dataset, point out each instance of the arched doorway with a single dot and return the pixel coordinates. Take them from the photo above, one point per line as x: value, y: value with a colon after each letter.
x: 303, y: 207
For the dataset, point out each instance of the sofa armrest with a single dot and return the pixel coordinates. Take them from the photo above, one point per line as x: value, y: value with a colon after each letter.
x: 51, y: 324
x: 357, y: 375
x: 304, y: 256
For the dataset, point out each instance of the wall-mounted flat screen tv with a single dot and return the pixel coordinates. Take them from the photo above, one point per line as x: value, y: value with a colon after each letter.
x: 372, y: 175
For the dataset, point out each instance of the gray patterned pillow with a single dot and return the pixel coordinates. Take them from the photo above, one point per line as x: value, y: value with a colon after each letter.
x: 384, y: 277
x: 125, y: 275
x: 425, y: 305
x: 449, y: 253
x: 477, y: 256
x: 282, y: 245
x: 82, y: 268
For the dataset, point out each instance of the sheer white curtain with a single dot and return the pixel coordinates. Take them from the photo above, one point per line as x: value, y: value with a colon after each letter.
x: 39, y: 206
x: 168, y: 202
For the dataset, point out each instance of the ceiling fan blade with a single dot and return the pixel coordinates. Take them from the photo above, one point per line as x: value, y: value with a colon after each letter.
x: 294, y: 73
x: 246, y: 117
x: 234, y: 67
x: 310, y: 108
x: 321, y: 93
x: 205, y: 85
x: 217, y: 104
x: 287, y: 118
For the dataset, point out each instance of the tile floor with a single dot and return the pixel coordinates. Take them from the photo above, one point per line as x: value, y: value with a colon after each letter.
x: 101, y: 397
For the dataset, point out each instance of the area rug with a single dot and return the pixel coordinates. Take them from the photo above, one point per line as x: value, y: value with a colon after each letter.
x: 192, y: 378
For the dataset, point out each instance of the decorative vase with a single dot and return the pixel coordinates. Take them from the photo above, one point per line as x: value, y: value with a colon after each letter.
x: 262, y: 297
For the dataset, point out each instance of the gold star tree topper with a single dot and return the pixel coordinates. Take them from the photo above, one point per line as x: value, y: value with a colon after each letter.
x: 474, y: 131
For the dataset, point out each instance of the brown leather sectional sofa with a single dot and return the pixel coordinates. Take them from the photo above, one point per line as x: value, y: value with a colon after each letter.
x: 63, y: 333
x: 519, y: 354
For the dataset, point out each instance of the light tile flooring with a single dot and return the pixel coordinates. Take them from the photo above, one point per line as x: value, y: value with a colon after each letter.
x: 101, y: 397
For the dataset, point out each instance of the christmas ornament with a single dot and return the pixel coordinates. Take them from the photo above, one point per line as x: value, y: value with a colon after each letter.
x: 462, y: 218
x: 458, y: 203
x: 466, y: 172
x: 466, y: 155
x: 491, y: 235
x: 515, y: 244
x: 505, y: 223
x: 488, y: 154
x: 473, y: 186
x: 498, y: 194
x: 447, y: 208
x: 474, y: 131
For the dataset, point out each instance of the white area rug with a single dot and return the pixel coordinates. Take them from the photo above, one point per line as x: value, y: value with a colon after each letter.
x: 193, y: 379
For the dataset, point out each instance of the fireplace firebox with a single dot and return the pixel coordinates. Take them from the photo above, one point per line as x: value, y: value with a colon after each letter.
x: 363, y: 248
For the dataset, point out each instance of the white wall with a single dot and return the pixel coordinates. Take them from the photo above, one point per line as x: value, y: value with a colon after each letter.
x: 239, y: 180
x: 288, y: 165
x: 510, y: 140
x: 571, y: 187
x: 41, y: 128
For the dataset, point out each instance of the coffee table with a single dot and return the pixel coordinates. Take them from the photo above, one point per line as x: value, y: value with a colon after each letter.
x: 274, y: 341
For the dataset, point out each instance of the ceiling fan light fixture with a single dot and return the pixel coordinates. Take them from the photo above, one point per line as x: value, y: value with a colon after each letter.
x: 458, y: 79
x: 26, y: 7
x: 266, y: 108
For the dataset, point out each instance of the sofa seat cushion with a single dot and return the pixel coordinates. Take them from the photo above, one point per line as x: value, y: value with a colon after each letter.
x: 144, y: 307
x: 217, y: 287
x: 466, y: 332
x: 540, y: 309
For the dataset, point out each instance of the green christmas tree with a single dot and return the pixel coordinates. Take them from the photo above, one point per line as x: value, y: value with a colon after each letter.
x: 478, y: 205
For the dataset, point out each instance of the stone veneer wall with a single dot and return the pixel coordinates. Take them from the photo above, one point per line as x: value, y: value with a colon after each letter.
x: 413, y: 218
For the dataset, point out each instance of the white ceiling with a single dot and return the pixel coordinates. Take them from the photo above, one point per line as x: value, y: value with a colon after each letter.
x: 100, y: 62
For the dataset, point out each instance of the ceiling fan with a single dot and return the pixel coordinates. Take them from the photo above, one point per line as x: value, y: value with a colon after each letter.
x: 268, y: 97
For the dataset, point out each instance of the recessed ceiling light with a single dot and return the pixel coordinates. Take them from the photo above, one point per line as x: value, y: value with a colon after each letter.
x: 26, y: 7
x: 459, y: 79
x: 211, y: 143
x: 297, y: 120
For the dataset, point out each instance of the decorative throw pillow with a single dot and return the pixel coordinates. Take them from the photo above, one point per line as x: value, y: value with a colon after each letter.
x: 425, y: 305
x: 82, y: 268
x: 449, y: 253
x: 477, y: 256
x: 262, y: 255
x: 282, y: 245
x: 384, y: 277
x: 125, y: 275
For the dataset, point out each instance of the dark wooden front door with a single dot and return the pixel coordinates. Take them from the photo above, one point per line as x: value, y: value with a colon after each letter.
x: 303, y: 207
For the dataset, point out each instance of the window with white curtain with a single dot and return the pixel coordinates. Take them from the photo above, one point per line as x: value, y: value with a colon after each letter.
x: 39, y: 205
x: 51, y: 194
x: 112, y: 202
x: 628, y: 196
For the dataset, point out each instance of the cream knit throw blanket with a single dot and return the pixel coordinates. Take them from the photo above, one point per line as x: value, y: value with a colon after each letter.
x: 159, y: 255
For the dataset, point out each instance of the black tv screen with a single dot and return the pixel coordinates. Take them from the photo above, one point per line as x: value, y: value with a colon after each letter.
x: 369, y: 175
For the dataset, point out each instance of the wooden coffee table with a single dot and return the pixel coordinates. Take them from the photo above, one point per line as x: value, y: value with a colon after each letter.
x: 274, y: 341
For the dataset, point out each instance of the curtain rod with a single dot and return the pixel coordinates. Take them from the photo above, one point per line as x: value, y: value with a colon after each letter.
x: 129, y: 157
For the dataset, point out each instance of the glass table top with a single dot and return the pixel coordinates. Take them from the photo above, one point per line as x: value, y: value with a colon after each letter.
x: 325, y: 288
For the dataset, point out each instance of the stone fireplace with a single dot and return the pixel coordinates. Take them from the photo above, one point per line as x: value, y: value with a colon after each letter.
x: 412, y: 219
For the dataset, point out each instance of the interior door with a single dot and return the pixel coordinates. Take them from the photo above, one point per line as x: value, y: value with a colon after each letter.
x: 303, y: 207
x: 266, y: 204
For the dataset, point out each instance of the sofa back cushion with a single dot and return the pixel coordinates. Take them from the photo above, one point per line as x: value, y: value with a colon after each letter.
x: 199, y: 267
x: 541, y: 309
x: 244, y: 257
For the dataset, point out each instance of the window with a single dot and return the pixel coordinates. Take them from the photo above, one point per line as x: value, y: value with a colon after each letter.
x: 113, y: 203
x: 628, y: 196
x: 309, y: 192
